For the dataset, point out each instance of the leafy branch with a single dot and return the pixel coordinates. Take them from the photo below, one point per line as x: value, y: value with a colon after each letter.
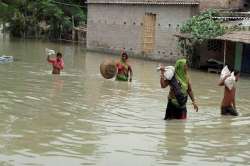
x: 201, y: 28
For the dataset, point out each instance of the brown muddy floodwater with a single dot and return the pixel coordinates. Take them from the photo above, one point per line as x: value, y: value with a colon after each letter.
x: 79, y: 118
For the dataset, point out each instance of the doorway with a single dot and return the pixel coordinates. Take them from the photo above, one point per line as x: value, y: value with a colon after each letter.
x: 149, y: 33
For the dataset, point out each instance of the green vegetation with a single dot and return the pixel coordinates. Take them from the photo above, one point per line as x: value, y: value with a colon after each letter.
x: 200, y: 28
x: 42, y: 18
x: 204, y: 26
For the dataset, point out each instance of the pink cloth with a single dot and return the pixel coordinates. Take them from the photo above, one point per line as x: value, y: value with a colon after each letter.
x: 57, y: 63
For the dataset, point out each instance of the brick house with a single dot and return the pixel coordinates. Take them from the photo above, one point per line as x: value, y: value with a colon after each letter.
x: 145, y: 28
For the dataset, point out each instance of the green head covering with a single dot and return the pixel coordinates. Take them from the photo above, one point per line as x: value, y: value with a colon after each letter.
x: 181, y: 74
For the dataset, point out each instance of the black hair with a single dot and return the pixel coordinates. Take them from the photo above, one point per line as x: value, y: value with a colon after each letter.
x: 236, y: 72
x: 59, y: 54
x: 124, y: 53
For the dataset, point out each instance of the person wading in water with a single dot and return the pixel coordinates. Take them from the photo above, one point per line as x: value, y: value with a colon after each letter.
x: 57, y: 63
x: 180, y: 88
x: 124, y: 70
x: 228, y: 104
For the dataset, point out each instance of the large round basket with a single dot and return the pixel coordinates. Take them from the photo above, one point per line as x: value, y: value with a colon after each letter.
x: 108, y: 69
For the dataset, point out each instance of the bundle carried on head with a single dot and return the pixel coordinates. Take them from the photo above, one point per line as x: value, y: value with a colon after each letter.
x: 168, y: 72
x: 108, y: 69
x: 49, y: 51
x: 230, y: 80
x: 224, y: 72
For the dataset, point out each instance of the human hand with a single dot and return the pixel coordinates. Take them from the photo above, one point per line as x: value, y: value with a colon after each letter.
x: 162, y: 68
x: 195, y: 106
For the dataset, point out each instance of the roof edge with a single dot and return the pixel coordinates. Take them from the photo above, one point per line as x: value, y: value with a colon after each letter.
x: 143, y: 3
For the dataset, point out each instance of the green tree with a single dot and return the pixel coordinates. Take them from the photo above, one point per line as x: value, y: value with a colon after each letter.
x: 27, y: 15
x: 204, y: 26
x: 201, y: 28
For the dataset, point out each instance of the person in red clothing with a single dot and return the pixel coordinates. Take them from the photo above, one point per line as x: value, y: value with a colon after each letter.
x: 57, y: 63
x: 124, y: 70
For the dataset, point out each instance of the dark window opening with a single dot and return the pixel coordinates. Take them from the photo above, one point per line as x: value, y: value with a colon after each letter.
x: 214, y: 45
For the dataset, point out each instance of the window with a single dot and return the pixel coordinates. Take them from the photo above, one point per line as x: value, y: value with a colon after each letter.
x: 214, y: 45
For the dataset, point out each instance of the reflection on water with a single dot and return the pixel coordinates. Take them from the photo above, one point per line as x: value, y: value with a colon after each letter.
x: 79, y: 118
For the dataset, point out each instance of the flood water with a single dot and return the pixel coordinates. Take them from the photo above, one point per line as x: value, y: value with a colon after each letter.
x: 79, y: 118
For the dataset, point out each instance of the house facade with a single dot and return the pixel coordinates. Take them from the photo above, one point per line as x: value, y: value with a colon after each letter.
x: 145, y: 28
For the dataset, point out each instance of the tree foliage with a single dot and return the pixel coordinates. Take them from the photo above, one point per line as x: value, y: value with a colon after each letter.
x: 204, y: 26
x: 201, y: 28
x: 49, y: 17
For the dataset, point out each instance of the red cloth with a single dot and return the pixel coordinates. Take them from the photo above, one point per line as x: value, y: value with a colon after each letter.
x: 57, y: 63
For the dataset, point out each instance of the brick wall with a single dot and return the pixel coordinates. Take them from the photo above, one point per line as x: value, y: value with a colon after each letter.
x: 223, y: 4
x: 112, y: 27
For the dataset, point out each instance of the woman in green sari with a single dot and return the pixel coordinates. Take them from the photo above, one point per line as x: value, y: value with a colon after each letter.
x: 124, y: 70
x: 180, y: 89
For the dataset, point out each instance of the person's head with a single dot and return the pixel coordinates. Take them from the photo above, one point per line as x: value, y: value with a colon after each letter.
x: 181, y: 66
x: 181, y: 72
x: 59, y: 55
x: 124, y: 56
x: 236, y: 74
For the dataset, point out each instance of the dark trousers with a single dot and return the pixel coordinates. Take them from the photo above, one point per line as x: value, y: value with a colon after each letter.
x: 175, y: 112
x: 229, y: 111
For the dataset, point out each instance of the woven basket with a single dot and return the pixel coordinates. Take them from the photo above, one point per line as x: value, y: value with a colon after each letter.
x: 108, y: 69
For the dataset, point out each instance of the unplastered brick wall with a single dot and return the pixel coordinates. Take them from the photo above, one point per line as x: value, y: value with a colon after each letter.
x: 115, y: 26
x: 223, y: 4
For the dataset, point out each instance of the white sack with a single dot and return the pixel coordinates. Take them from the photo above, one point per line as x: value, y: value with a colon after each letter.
x: 49, y: 51
x: 169, y: 72
x: 225, y: 72
x: 230, y: 81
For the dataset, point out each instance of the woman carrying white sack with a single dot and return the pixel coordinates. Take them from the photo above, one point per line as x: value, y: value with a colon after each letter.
x: 178, y: 80
x: 227, y: 79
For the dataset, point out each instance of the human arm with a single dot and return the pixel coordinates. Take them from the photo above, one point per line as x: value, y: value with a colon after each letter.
x: 191, y: 95
x: 50, y: 60
x: 59, y: 64
x: 233, y: 101
x: 164, y: 83
x: 234, y: 104
x: 130, y: 73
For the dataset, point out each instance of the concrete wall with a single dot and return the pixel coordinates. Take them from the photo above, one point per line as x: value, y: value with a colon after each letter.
x: 112, y: 27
